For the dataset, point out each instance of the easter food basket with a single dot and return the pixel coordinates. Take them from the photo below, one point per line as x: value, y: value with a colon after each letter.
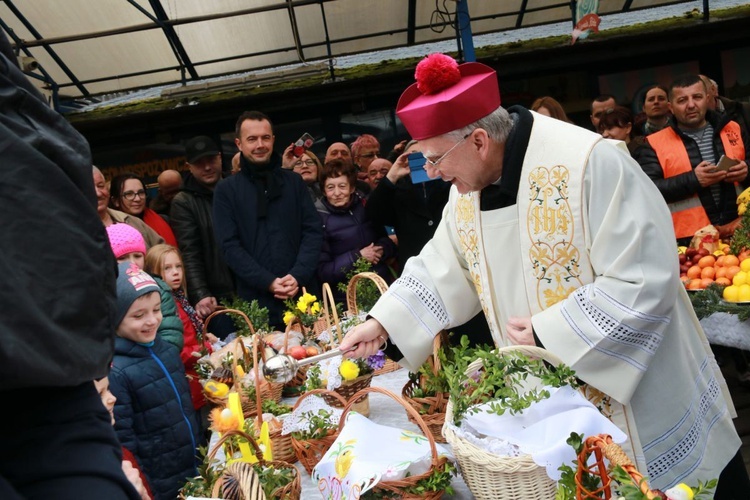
x: 353, y: 310
x: 398, y: 488
x: 224, y: 485
x: 495, y: 477
x: 430, y: 408
x: 239, y: 349
x: 310, y: 451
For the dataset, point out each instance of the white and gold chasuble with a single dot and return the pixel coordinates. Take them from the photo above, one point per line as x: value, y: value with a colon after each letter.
x: 592, y: 264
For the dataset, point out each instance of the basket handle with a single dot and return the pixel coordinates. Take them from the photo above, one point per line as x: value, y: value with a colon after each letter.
x: 351, y: 289
x: 414, y: 413
x: 527, y: 350
x: 603, y: 445
x: 236, y: 432
x: 225, y: 310
x: 319, y: 391
x: 247, y: 494
x: 328, y: 302
x: 295, y: 321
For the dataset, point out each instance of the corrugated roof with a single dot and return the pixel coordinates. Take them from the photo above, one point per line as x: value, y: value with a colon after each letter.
x: 87, y: 48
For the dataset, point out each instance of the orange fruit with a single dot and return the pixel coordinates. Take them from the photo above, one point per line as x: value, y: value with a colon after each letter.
x: 723, y: 281
x: 731, y: 271
x: 709, y: 272
x: 695, y: 272
x: 731, y: 260
x: 685, y: 280
x: 720, y: 261
x: 694, y: 285
x: 707, y: 261
x: 721, y: 272
x: 705, y: 282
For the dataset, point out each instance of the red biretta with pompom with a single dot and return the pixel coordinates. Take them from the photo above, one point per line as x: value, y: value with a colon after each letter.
x: 447, y: 96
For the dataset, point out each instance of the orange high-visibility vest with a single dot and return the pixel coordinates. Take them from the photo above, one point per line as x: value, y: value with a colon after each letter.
x: 688, y: 215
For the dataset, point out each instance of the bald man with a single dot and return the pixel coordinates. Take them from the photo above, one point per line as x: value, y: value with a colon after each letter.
x: 338, y: 151
x: 170, y: 182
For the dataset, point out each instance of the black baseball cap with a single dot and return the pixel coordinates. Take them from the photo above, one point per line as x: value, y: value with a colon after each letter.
x: 199, y: 147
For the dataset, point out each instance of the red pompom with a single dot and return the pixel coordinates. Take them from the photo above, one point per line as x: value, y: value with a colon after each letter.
x: 436, y: 72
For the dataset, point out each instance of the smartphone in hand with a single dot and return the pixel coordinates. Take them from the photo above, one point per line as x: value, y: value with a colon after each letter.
x: 725, y: 163
x: 302, y: 144
x: 416, y: 168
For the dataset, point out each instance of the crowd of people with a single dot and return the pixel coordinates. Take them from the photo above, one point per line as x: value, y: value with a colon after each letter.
x: 280, y: 222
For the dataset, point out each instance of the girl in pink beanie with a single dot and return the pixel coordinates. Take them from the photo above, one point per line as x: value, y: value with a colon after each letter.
x: 128, y: 246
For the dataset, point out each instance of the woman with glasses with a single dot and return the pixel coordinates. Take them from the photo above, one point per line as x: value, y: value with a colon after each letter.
x: 128, y: 194
x: 308, y: 166
x: 364, y: 150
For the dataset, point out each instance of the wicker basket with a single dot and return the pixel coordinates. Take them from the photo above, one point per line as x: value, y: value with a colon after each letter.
x: 347, y: 389
x: 430, y: 408
x: 291, y: 491
x: 266, y: 389
x: 310, y: 451
x: 494, y: 477
x: 353, y: 310
x: 603, y: 447
x: 397, y: 487
x: 281, y: 446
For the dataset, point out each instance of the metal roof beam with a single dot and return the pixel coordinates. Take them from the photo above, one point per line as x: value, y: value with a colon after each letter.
x: 295, y: 30
x: 171, y: 22
x: 411, y: 22
x: 172, y: 37
x: 521, y: 13
x: 74, y: 80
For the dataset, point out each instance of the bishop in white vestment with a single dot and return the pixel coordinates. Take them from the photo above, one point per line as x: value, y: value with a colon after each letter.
x: 565, y: 243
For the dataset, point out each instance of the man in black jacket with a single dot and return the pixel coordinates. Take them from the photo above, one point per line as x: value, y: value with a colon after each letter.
x: 265, y: 222
x: 681, y: 160
x: 58, y: 307
x: 209, y: 280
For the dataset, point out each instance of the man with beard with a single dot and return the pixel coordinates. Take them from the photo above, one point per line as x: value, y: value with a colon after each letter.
x: 265, y: 222
x: 207, y: 275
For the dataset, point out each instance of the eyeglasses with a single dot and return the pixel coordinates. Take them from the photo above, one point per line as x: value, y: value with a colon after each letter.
x: 309, y: 163
x: 370, y: 155
x: 131, y: 195
x: 434, y: 163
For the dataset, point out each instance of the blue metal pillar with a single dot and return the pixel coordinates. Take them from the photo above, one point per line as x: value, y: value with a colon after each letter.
x: 463, y: 25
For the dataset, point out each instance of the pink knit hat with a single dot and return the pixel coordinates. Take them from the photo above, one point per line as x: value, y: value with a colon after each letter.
x: 125, y: 239
x: 447, y: 96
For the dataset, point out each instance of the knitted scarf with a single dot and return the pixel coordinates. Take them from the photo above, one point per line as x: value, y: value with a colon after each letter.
x: 182, y: 301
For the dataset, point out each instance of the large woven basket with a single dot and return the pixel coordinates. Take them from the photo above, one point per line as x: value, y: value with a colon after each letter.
x: 494, y: 477
x: 430, y: 408
x: 291, y: 491
x: 602, y: 447
x: 266, y: 390
x: 397, y: 488
x: 353, y: 310
x: 310, y: 451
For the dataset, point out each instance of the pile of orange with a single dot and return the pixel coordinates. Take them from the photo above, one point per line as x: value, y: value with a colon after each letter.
x: 730, y: 271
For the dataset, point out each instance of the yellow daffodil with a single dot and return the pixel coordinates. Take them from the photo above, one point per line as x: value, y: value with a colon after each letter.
x: 305, y: 301
x: 315, y: 309
x: 349, y: 370
x: 288, y: 317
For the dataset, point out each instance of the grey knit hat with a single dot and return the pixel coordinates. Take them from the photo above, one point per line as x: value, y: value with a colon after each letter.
x: 131, y: 284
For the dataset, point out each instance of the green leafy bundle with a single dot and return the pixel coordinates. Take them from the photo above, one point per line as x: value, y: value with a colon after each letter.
x: 273, y: 479
x: 741, y: 237
x: 258, y: 316
x: 439, y: 480
x: 499, y: 381
x: 319, y: 425
x: 367, y: 291
x: 274, y: 408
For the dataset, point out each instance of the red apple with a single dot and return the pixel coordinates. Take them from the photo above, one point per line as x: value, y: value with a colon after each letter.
x: 298, y: 352
x: 683, y: 258
x: 691, y: 252
x: 703, y: 252
x: 684, y: 268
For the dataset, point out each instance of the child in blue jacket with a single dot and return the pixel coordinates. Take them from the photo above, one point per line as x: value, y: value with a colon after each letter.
x: 154, y: 416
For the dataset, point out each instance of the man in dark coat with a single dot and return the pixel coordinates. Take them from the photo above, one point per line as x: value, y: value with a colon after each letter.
x: 58, y: 307
x: 208, y: 278
x: 265, y: 222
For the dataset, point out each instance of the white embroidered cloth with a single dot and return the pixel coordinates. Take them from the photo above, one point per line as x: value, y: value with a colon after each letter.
x: 366, y: 453
x: 299, y: 419
x: 542, y: 429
